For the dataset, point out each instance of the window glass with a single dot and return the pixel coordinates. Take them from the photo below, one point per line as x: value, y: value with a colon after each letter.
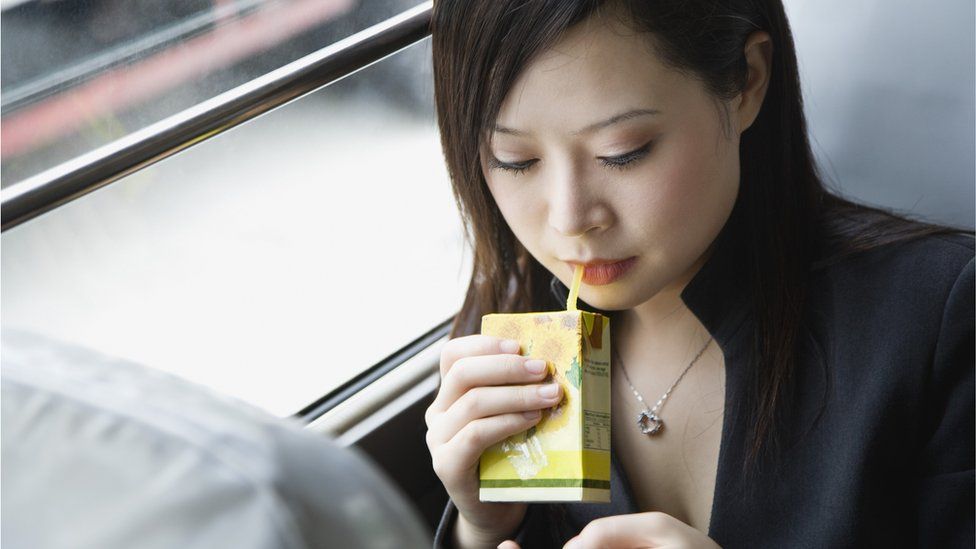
x: 78, y: 74
x: 272, y: 262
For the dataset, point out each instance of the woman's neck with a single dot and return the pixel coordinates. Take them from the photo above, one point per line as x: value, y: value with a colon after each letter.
x: 662, y: 326
x: 658, y: 323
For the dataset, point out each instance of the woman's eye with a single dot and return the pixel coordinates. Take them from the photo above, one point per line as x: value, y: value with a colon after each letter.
x: 616, y: 162
x: 623, y: 160
x: 514, y: 167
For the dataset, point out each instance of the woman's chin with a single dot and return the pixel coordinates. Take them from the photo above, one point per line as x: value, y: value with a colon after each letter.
x: 610, y: 301
x: 617, y: 296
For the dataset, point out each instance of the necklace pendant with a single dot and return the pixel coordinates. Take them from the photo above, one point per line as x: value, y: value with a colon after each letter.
x: 649, y: 423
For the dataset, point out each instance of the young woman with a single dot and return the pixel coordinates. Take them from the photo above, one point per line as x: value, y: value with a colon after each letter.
x: 814, y: 357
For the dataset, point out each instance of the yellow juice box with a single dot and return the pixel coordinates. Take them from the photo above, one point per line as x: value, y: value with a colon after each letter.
x: 566, y: 455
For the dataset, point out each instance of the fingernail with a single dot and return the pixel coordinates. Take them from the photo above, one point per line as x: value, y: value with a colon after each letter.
x: 549, y: 391
x: 510, y: 346
x: 535, y: 366
x: 532, y: 414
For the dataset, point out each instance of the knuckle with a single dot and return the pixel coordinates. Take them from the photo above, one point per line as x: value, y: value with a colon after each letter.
x: 460, y: 372
x: 448, y: 348
x: 514, y: 421
x: 656, y: 520
x: 594, y: 532
x: 443, y: 461
x: 467, y: 405
x: 437, y: 463
x: 449, y: 383
x: 517, y: 366
x: 473, y: 438
x: 519, y: 423
x: 443, y: 371
x: 590, y: 536
x: 451, y: 352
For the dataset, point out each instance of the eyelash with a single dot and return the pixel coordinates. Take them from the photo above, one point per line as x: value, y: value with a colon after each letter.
x: 620, y: 162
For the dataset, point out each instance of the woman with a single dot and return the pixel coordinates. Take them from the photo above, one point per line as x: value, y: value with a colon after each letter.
x: 814, y: 357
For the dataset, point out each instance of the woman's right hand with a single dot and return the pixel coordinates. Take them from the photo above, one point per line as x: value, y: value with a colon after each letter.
x: 488, y: 392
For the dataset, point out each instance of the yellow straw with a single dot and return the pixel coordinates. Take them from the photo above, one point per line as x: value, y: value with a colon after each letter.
x: 574, y: 290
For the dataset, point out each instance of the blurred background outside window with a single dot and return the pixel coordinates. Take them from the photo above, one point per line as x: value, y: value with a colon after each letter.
x: 273, y: 262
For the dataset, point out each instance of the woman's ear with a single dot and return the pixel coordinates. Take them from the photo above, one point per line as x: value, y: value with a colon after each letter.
x: 759, y: 59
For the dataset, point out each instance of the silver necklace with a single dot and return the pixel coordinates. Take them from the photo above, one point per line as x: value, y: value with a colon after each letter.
x: 648, y: 421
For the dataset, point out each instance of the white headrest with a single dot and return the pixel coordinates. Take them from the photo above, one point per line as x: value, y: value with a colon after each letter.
x: 102, y: 453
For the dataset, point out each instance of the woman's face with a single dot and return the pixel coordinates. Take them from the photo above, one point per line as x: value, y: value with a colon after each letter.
x: 603, y: 156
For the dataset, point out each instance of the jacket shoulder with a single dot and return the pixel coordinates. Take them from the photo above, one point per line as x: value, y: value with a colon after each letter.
x: 916, y: 271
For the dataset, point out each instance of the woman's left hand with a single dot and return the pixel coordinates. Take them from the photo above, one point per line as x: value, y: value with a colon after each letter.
x: 638, y: 530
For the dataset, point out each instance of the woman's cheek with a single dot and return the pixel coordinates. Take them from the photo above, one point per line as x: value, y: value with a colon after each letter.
x: 525, y: 215
x: 675, y: 192
x: 704, y: 174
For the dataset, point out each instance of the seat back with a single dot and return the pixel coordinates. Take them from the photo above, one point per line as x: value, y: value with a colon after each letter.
x: 101, y: 453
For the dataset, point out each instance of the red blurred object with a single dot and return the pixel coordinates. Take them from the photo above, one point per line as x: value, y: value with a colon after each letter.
x: 117, y: 89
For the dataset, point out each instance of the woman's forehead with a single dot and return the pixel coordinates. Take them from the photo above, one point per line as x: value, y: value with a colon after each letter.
x: 592, y: 73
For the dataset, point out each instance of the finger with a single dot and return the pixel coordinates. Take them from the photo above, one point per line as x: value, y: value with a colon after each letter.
x: 508, y: 544
x: 461, y: 453
x: 483, y: 402
x: 486, y: 370
x: 633, y: 530
x: 474, y: 345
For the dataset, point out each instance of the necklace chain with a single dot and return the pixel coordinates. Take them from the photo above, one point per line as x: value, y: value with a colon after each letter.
x: 649, y: 422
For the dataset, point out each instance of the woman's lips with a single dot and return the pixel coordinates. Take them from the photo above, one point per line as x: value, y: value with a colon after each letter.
x: 604, y: 272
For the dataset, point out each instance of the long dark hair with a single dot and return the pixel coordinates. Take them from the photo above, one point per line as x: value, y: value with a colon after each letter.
x: 789, y: 219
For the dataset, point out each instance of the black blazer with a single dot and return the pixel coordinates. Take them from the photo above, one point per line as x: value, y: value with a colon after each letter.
x: 880, y: 431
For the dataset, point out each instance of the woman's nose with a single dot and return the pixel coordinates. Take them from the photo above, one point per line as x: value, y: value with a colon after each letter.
x: 574, y: 208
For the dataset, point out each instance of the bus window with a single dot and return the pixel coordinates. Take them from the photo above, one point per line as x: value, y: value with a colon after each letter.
x: 273, y: 262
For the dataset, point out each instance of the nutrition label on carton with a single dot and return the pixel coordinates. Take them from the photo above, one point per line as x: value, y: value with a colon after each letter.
x: 598, y: 368
x: 596, y: 430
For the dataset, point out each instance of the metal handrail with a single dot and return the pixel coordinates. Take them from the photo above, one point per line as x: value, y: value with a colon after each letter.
x: 75, y: 178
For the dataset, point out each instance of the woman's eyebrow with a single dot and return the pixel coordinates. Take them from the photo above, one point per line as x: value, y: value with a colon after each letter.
x: 628, y: 115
